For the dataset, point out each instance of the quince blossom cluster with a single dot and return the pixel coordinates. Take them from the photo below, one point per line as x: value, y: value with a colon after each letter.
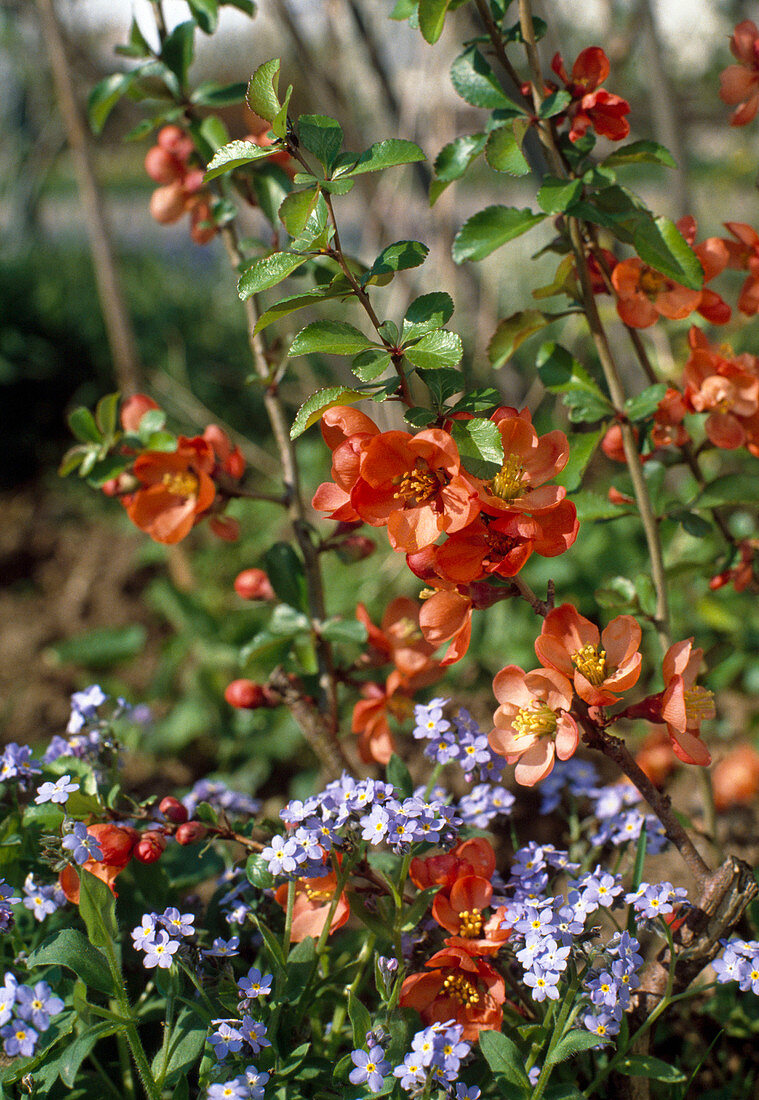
x: 417, y: 487
x: 26, y: 1012
x: 168, y: 163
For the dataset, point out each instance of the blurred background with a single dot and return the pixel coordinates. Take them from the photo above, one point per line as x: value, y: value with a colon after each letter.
x: 86, y: 597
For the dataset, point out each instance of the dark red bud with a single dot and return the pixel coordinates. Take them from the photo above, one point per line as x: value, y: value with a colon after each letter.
x: 253, y: 584
x: 150, y: 847
x: 173, y: 810
x: 355, y: 548
x: 245, y: 695
x: 191, y: 832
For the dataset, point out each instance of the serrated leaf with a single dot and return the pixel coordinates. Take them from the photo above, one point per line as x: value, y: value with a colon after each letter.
x: 729, y: 489
x: 311, y: 410
x: 489, y: 229
x: 435, y: 350
x: 268, y: 272
x: 371, y: 364
x: 83, y: 426
x: 329, y: 338
x: 645, y: 1065
x: 295, y: 302
x: 212, y: 94
x: 513, y: 331
x: 661, y: 245
x: 480, y: 446
x: 640, y: 152
x: 296, y: 209
x: 419, y: 417
x: 71, y: 949
x: 477, y: 84
x: 178, y: 50
x: 555, y: 195
x: 264, y: 649
x: 234, y: 155
x: 645, y: 403
x: 555, y: 103
x: 322, y: 136
x: 279, y: 123
x: 396, y: 257
x: 262, y: 94
x: 104, y: 97
x: 428, y: 312
x: 503, y: 1057
x: 574, y: 1043
x: 288, y: 622
x: 582, y: 447
x: 385, y: 154
x: 503, y: 151
x: 453, y: 159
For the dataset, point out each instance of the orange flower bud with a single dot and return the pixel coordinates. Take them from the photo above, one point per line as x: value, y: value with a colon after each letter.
x: 173, y: 810
x: 253, y: 584
x: 150, y: 847
x: 191, y: 832
x: 133, y: 410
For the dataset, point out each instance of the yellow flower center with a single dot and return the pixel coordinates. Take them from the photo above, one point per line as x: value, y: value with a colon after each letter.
x: 508, y: 483
x: 699, y: 704
x: 591, y: 662
x: 470, y: 923
x: 652, y: 282
x: 537, y: 718
x: 314, y: 894
x: 406, y: 630
x: 461, y: 989
x: 418, y: 485
x: 182, y: 484
x: 499, y: 544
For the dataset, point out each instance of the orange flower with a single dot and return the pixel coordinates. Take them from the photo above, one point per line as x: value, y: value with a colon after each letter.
x: 740, y: 83
x: 743, y: 254
x: 602, y: 665
x: 117, y: 844
x: 370, y: 715
x: 533, y: 724
x: 346, y: 432
x: 470, y: 857
x: 415, y: 485
x: 668, y: 430
x: 399, y: 638
x: 177, y: 489
x: 592, y: 106
x: 459, y: 987
x: 685, y: 704
x: 655, y: 757
x: 726, y: 388
x: 313, y: 899
x: 529, y: 462
x: 460, y: 911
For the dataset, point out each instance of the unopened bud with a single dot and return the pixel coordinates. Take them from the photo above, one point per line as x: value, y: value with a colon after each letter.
x: 150, y: 847
x: 133, y: 410
x: 253, y: 584
x: 192, y: 832
x: 245, y: 695
x: 355, y: 548
x: 173, y: 810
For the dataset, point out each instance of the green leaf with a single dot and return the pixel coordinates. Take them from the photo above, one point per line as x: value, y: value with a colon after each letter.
x: 76, y: 1051
x: 660, y: 244
x: 645, y: 1065
x: 730, y: 489
x: 100, y: 648
x: 561, y: 373
x: 329, y: 338
x: 206, y: 13
x: 279, y: 124
x: 582, y: 447
x: 104, y: 97
x: 431, y: 18
x: 97, y: 907
x: 151, y: 422
x: 403, y: 9
x: 396, y: 257
x: 503, y: 1057
x: 83, y: 426
x: 284, y: 567
x: 106, y: 413
x: 513, y: 331
x: 71, y: 949
x: 234, y: 155
x: 344, y: 630
x: 646, y: 402
x: 480, y: 446
x: 574, y: 1043
x: 640, y: 152
x: 489, y: 229
x: 212, y: 94
x: 137, y: 46
x: 503, y: 151
x: 385, y: 154
x: 288, y: 622
x: 418, y: 417
x: 398, y: 774
x: 695, y: 525
x: 428, y: 312
x: 360, y: 1019
x: 476, y: 83
x: 295, y: 302
x: 296, y: 209
x: 262, y: 92
x: 270, y: 184
x: 435, y: 350
x: 301, y: 963
x: 555, y: 195
x: 554, y: 104
x: 321, y: 136
x: 453, y: 159
x: 267, y: 272
x: 257, y: 872
x: 265, y: 649
x: 371, y: 364
x: 188, y: 1038
x: 592, y: 506
x: 311, y: 410
x: 178, y: 50
x: 274, y: 949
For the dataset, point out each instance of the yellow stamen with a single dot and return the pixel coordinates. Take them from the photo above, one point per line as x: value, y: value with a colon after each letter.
x: 418, y: 485
x: 508, y: 483
x: 699, y: 704
x: 182, y: 484
x: 652, y: 282
x: 591, y: 662
x: 317, y: 895
x: 537, y: 718
x: 462, y: 990
x: 470, y: 923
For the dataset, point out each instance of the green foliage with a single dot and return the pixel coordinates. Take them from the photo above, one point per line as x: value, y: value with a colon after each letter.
x: 490, y: 229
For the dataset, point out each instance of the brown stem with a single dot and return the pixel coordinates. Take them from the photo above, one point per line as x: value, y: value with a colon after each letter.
x: 497, y: 40
x: 115, y: 314
x: 291, y: 480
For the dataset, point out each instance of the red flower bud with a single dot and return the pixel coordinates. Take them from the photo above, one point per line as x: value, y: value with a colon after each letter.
x: 191, y: 832
x: 245, y: 695
x: 161, y: 166
x: 167, y: 204
x: 173, y: 810
x: 253, y: 584
x: 355, y: 548
x: 150, y: 847
x: 116, y: 842
x: 133, y: 410
x: 175, y: 141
